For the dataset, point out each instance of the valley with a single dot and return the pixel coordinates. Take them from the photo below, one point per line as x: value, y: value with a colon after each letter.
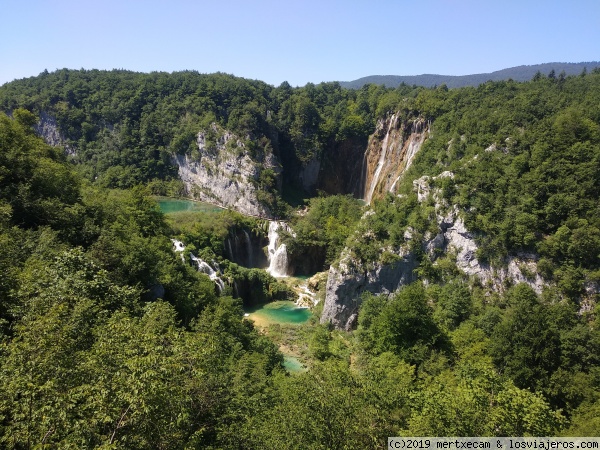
x: 193, y: 260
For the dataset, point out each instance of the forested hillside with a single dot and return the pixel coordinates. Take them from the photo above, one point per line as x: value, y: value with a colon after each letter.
x: 123, y: 127
x: 111, y: 339
x: 525, y: 164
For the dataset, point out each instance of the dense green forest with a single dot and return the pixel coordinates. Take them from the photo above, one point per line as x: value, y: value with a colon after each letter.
x: 124, y: 126
x: 526, y: 165
x: 108, y: 339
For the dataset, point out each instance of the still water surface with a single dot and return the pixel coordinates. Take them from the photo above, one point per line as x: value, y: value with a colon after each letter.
x: 282, y: 312
x: 170, y: 205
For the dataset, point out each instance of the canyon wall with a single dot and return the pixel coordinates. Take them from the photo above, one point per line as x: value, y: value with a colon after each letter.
x: 226, y: 173
x: 348, y: 279
x: 390, y: 153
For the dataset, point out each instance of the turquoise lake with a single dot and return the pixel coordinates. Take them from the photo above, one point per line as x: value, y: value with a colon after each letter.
x: 282, y: 312
x: 293, y: 364
x: 171, y: 205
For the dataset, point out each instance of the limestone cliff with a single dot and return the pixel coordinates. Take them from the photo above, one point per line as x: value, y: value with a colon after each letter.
x: 47, y: 128
x: 341, y: 168
x: 348, y: 280
x: 225, y: 172
x: 390, y: 152
x: 365, y: 169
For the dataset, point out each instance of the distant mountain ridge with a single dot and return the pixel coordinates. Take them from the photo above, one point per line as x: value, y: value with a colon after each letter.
x: 519, y: 73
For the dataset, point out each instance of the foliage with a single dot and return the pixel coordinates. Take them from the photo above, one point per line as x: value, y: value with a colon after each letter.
x: 109, y: 340
x: 125, y: 126
x: 403, y: 325
x: 320, y: 234
x: 526, y: 161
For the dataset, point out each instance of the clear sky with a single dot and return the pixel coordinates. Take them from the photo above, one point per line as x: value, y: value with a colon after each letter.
x: 296, y: 41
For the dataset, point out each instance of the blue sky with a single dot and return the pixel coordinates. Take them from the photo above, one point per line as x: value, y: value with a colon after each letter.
x: 299, y: 41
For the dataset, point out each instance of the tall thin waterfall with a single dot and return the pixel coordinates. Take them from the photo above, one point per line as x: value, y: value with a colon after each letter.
x: 277, y: 252
x: 248, y: 248
x: 382, y: 160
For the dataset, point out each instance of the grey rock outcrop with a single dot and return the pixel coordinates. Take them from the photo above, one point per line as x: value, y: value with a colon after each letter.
x: 47, y: 128
x: 224, y: 172
x: 347, y: 281
x: 309, y: 174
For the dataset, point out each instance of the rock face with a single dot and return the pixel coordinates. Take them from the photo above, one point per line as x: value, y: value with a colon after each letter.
x: 335, y: 169
x: 347, y: 281
x: 47, y: 128
x: 223, y: 172
x: 521, y: 268
x: 390, y: 152
x: 341, y: 168
x: 309, y: 174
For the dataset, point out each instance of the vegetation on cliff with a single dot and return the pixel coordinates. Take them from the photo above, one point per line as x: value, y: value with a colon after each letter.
x: 526, y: 165
x: 123, y: 127
x: 108, y: 339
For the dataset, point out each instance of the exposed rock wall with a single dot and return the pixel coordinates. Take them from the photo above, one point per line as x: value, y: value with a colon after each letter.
x: 47, y: 128
x: 347, y: 281
x: 341, y: 168
x: 225, y: 173
x: 390, y: 152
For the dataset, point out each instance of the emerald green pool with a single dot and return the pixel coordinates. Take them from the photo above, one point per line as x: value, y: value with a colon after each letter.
x: 292, y: 364
x: 170, y: 205
x: 282, y: 312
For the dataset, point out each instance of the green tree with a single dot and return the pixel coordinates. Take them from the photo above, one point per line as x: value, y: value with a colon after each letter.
x: 523, y: 345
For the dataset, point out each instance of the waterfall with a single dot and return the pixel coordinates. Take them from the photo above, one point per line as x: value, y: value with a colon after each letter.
x: 201, y: 265
x: 277, y: 253
x: 248, y: 248
x: 306, y: 297
x: 178, y: 247
x: 204, y: 267
x: 363, y: 176
x: 397, y: 150
x: 382, y: 159
x: 230, y: 249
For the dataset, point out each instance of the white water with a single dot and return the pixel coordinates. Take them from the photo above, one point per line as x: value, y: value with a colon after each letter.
x: 306, y: 297
x: 248, y: 248
x: 204, y: 267
x: 277, y: 253
x: 201, y: 265
x: 382, y: 159
x: 419, y: 131
x: 179, y: 247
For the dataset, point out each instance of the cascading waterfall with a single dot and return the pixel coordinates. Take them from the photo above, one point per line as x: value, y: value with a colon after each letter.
x: 417, y: 137
x: 204, y: 267
x: 387, y: 159
x: 306, y: 297
x: 277, y: 253
x: 201, y: 265
x: 179, y: 247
